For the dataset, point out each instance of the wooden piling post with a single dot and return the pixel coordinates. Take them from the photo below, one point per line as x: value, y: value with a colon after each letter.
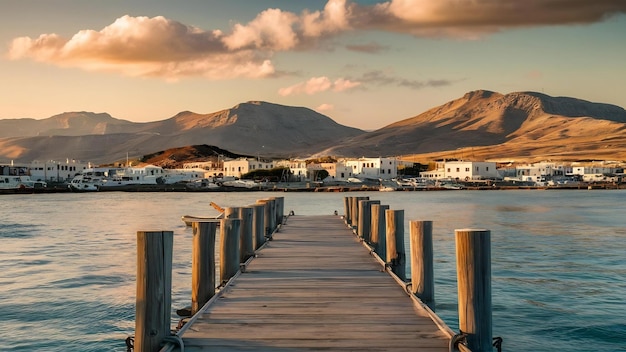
x: 246, y: 243
x: 267, y: 216
x: 346, y: 210
x: 364, y: 228
x: 280, y: 210
x: 355, y: 211
x: 473, y: 258
x: 154, y: 289
x: 229, y: 248
x: 258, y: 229
x: 378, y: 236
x: 394, y: 220
x: 202, y: 264
x: 231, y: 213
x: 422, y: 276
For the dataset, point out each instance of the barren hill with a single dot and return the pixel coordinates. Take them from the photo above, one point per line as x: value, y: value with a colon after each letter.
x: 487, y: 125
x: 480, y: 125
x: 249, y: 128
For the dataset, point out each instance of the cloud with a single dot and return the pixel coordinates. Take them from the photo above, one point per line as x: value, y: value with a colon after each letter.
x: 471, y: 18
x: 325, y: 107
x: 142, y: 46
x: 370, y: 48
x: 317, y: 85
x: 382, y: 78
x: 160, y: 47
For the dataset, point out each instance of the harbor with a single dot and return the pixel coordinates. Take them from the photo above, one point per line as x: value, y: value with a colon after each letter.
x: 557, y: 268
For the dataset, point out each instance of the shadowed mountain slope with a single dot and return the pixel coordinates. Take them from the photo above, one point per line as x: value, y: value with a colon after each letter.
x: 248, y: 128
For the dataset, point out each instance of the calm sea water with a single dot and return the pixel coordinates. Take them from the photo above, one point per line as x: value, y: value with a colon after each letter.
x: 67, y: 261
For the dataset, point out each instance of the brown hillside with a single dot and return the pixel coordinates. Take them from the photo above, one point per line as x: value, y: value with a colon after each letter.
x: 487, y: 125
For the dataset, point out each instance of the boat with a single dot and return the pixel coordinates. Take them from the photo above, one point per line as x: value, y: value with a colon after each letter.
x: 19, y: 184
x: 248, y: 184
x: 386, y: 189
x: 112, y: 179
x: 203, y: 184
x: 189, y: 219
x: 447, y: 184
x: 89, y: 180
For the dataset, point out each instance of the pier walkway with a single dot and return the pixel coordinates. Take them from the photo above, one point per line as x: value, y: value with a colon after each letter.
x: 313, y: 287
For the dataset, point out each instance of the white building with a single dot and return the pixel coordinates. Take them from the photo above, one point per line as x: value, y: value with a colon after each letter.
x: 596, y: 173
x: 338, y: 171
x: 239, y: 167
x: 462, y: 170
x: 375, y: 168
x: 56, y: 171
x: 211, y: 168
x: 297, y: 168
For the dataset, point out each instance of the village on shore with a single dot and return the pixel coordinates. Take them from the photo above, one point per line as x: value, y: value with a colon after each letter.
x: 326, y: 174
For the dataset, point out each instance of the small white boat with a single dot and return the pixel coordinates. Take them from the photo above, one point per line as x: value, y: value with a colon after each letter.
x: 11, y: 184
x: 386, y: 189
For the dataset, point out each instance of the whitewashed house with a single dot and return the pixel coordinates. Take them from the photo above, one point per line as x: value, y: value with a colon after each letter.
x: 239, y: 167
x: 462, y: 170
x: 297, y: 168
x: 596, y: 173
x: 55, y: 171
x: 373, y: 168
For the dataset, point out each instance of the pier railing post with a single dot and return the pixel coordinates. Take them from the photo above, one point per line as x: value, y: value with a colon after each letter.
x: 396, y: 256
x: 229, y: 248
x: 267, y: 217
x: 246, y: 245
x: 365, y: 219
x: 378, y: 227
x: 355, y: 211
x: 154, y: 289
x: 258, y: 229
x: 202, y: 264
x: 280, y: 210
x: 473, y: 258
x: 346, y: 209
x: 422, y: 277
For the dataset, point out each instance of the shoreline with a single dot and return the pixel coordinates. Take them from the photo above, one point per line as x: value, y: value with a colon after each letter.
x: 306, y: 187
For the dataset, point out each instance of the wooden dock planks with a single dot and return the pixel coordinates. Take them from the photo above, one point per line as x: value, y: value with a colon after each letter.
x: 314, y: 287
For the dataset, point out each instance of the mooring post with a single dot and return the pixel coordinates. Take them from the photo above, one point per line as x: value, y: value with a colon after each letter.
x: 378, y: 228
x: 422, y: 277
x: 280, y: 210
x: 346, y: 209
x: 258, y: 229
x: 473, y: 258
x: 246, y: 243
x: 229, y: 248
x: 154, y: 289
x: 267, y: 215
x: 231, y: 213
x: 365, y: 220
x: 355, y: 211
x: 202, y: 264
x: 395, y: 242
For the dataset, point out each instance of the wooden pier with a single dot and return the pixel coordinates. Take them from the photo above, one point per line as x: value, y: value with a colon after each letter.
x: 314, y: 287
x: 304, y: 283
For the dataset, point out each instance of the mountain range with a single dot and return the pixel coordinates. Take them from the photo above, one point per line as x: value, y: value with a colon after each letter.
x: 480, y: 125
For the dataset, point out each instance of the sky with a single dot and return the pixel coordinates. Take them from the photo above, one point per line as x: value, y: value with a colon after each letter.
x: 365, y: 64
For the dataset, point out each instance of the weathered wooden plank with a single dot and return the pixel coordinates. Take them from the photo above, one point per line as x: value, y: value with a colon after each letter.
x: 314, y: 287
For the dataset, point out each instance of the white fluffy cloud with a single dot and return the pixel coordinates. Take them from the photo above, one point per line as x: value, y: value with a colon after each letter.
x: 317, y: 85
x: 160, y: 47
